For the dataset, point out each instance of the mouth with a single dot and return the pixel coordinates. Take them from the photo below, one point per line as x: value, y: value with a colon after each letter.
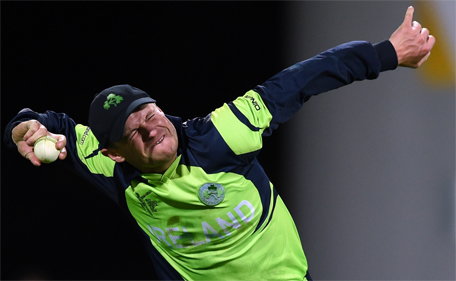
x: 159, y: 141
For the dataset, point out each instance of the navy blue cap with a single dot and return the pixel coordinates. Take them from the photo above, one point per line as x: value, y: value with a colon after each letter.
x: 110, y: 109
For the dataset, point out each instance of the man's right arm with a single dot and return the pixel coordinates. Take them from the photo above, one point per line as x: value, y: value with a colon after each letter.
x: 81, y: 152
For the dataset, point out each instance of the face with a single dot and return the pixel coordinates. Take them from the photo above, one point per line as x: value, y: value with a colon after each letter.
x: 149, y: 142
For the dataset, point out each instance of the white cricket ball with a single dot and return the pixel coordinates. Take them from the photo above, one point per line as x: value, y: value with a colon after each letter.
x: 45, y: 149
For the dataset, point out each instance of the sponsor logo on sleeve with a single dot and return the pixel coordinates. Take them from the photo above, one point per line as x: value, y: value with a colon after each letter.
x: 254, y: 102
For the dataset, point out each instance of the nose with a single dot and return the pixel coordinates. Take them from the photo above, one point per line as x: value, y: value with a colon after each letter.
x: 148, y: 129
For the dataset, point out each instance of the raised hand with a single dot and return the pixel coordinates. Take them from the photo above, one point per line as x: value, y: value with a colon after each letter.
x: 412, y: 42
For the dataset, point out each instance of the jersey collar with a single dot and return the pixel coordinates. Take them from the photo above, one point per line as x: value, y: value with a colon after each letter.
x: 168, y: 174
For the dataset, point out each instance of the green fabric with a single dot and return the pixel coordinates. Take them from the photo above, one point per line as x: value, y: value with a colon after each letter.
x: 86, y: 144
x: 220, y: 242
x: 213, y: 243
x: 240, y: 138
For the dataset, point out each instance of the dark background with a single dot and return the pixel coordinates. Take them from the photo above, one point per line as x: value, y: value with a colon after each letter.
x: 190, y: 56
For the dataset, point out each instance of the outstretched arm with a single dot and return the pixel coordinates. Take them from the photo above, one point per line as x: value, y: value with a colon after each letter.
x: 412, y: 42
x: 285, y: 92
x: 79, y: 147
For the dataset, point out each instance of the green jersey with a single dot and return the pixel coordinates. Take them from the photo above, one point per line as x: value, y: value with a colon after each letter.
x: 214, y: 214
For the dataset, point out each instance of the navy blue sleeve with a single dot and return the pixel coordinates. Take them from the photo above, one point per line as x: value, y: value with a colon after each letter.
x: 24, y: 115
x: 285, y: 93
x: 113, y: 187
x: 57, y: 123
x: 60, y: 123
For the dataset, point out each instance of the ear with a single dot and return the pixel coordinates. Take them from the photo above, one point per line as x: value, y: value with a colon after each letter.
x: 111, y: 153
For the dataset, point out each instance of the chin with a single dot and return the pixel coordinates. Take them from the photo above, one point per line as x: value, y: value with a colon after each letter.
x: 163, y: 155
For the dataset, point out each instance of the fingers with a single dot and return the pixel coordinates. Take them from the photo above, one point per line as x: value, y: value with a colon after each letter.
x: 61, y: 140
x: 428, y: 39
x: 424, y: 59
x: 408, y: 16
x: 25, y: 136
x: 35, y: 131
x: 63, y: 154
x: 412, y: 42
x: 431, y: 42
x: 416, y: 25
x: 61, y: 143
x: 30, y: 128
x: 27, y: 152
x: 33, y: 159
x: 425, y: 33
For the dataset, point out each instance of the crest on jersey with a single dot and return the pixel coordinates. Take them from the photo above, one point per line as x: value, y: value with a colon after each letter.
x: 211, y: 194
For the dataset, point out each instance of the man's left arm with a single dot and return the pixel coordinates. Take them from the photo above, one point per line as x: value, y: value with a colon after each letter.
x: 285, y: 92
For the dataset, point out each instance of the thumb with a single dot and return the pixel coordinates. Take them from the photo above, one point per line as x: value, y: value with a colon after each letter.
x: 27, y: 152
x: 409, y: 16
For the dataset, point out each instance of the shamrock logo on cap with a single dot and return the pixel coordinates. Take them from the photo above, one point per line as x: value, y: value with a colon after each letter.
x: 112, y: 99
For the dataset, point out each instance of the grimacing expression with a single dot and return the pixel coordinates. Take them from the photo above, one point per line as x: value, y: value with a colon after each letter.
x: 149, y: 141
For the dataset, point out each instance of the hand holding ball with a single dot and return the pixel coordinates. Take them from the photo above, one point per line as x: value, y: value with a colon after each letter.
x: 45, y: 149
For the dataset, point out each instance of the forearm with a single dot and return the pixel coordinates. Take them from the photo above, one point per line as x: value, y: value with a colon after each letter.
x: 84, y: 159
x: 285, y: 92
x: 336, y: 67
x: 58, y: 123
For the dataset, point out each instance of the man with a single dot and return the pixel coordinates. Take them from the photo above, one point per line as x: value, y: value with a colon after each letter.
x: 195, y: 188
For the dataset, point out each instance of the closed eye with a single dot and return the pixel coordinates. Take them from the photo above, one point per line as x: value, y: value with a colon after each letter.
x: 132, y: 133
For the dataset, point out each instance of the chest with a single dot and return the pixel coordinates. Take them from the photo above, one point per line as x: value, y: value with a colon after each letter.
x: 193, y: 208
